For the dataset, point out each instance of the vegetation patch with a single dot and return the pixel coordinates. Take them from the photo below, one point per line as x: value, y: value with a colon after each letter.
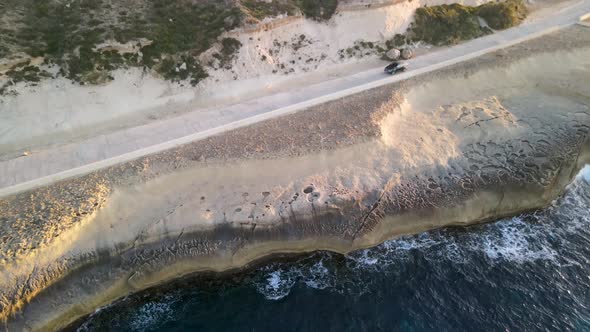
x: 27, y: 73
x: 503, y: 15
x: 260, y: 9
x: 320, y: 10
x: 180, y: 31
x: 446, y: 24
x: 450, y: 24
x: 183, y: 68
x: 88, y: 39
x: 67, y: 33
x: 397, y: 41
x: 361, y: 49
x: 229, y: 50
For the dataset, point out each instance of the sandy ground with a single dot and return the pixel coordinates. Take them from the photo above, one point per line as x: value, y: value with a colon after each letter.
x: 57, y: 111
x: 479, y: 140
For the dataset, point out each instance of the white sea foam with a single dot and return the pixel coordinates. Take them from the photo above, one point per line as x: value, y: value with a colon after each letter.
x: 513, y: 241
x: 366, y: 258
x: 277, y: 285
x: 508, y: 241
x: 151, y: 314
x: 280, y: 278
x: 318, y: 276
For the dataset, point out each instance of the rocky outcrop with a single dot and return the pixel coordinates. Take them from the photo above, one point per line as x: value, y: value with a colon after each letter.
x: 393, y: 54
x: 407, y: 54
x: 480, y: 192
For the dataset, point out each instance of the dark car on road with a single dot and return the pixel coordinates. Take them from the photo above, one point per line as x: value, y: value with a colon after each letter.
x: 395, y: 67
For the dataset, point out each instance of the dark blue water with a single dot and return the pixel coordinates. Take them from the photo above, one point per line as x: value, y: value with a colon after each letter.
x: 530, y: 273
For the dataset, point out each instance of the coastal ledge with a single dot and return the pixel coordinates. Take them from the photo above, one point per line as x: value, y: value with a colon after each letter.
x: 485, y: 139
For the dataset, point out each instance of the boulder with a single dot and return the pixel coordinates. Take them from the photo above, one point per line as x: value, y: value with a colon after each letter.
x: 393, y: 54
x: 407, y: 54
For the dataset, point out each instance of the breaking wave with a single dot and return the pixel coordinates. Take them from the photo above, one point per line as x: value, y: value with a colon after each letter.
x: 522, y: 273
x: 519, y: 240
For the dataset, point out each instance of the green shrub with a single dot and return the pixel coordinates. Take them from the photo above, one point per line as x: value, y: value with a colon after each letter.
x: 397, y: 41
x: 230, y: 46
x: 66, y: 34
x: 27, y: 74
x: 261, y: 9
x: 229, y: 49
x: 184, y: 68
x: 320, y: 10
x: 23, y: 73
x: 179, y: 26
x: 450, y: 24
x: 445, y: 24
x: 503, y: 15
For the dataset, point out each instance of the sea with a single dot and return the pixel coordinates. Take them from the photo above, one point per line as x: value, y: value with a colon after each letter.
x: 526, y: 273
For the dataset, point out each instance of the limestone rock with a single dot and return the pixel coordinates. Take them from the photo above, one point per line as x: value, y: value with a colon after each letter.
x: 393, y: 54
x: 407, y: 53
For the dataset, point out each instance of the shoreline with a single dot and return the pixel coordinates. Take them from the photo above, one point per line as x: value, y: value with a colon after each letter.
x: 408, y: 185
x: 277, y: 257
x: 252, y: 257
